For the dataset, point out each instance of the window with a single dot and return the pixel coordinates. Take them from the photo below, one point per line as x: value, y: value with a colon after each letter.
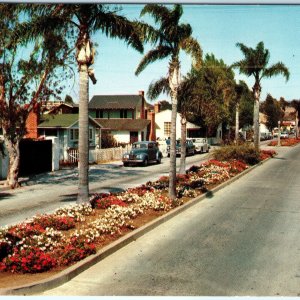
x: 90, y: 134
x: 74, y: 134
x: 167, y: 128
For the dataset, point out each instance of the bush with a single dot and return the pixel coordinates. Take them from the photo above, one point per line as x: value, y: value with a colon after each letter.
x: 244, y: 152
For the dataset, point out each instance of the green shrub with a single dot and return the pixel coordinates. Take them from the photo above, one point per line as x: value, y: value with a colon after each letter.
x: 244, y: 152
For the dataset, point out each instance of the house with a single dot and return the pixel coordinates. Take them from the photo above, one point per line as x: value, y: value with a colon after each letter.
x: 163, y: 125
x: 127, y: 117
x: 65, y: 128
x: 289, y: 118
x: 263, y: 129
x: 63, y: 108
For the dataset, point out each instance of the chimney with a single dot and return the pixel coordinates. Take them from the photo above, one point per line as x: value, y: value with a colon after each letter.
x: 157, y: 107
x: 32, y: 122
x: 141, y: 93
x: 152, y: 135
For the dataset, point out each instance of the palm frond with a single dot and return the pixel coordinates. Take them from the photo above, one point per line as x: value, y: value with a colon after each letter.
x: 158, y: 53
x: 192, y: 47
x: 113, y: 25
x: 276, y: 69
x: 158, y: 87
x: 157, y: 11
x: 148, y: 33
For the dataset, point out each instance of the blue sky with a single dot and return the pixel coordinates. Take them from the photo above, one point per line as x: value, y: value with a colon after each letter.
x: 217, y: 28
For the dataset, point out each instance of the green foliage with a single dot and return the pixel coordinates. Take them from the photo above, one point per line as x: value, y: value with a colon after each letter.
x: 107, y: 140
x: 244, y: 152
x: 69, y: 99
x: 210, y: 91
x: 271, y: 108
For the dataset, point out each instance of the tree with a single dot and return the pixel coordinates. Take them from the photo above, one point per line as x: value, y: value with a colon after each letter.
x: 240, y: 90
x: 81, y: 21
x: 255, y: 63
x: 272, y: 109
x: 24, y: 79
x: 164, y: 104
x: 296, y: 105
x: 213, y: 91
x: 169, y: 39
x: 69, y: 99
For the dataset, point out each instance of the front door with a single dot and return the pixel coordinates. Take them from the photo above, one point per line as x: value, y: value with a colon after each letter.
x: 134, y: 136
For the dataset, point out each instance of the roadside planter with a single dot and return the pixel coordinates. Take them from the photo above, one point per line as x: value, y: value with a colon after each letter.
x: 77, y: 231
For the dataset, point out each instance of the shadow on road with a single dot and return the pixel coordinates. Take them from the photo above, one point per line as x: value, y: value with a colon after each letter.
x: 4, y: 196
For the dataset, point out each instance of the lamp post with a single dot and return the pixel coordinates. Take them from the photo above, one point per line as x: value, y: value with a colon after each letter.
x: 278, y: 138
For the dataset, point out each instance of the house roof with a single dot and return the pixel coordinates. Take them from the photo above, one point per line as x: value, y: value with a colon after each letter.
x: 114, y: 101
x: 60, y: 120
x: 123, y: 124
x: 289, y: 114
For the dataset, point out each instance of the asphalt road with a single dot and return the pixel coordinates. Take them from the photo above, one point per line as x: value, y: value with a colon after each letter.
x: 46, y: 192
x: 242, y: 241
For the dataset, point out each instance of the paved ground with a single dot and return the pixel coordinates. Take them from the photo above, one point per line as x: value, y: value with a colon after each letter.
x: 242, y: 241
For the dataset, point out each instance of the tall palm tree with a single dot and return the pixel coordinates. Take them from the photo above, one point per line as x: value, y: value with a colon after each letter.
x: 80, y: 21
x: 185, y: 93
x: 169, y: 39
x: 255, y: 63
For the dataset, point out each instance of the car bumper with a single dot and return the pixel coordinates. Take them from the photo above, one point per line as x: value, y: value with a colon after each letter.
x: 133, y: 161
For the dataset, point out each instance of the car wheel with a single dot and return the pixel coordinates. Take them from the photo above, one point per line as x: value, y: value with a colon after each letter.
x: 168, y: 154
x: 207, y: 150
x: 145, y: 163
x: 125, y: 164
x: 158, y: 160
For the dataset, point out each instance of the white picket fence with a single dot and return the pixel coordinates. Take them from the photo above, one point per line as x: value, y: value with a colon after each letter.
x: 99, y: 155
x: 104, y: 155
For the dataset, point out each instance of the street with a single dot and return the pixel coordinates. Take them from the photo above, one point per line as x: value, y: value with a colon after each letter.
x: 46, y: 192
x: 242, y: 241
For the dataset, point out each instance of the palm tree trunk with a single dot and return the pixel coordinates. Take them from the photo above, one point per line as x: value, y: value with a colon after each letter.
x: 296, y: 125
x: 172, y: 171
x: 174, y: 83
x: 83, y: 144
x: 183, y: 146
x: 256, y: 90
x: 237, y: 123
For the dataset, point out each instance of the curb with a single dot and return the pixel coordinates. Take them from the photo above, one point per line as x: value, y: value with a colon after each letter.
x: 79, y: 267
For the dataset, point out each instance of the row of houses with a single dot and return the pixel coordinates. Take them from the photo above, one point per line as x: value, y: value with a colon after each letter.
x: 127, y: 118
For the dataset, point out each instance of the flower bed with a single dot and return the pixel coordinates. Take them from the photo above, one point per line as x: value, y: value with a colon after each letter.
x: 285, y: 142
x: 74, y: 232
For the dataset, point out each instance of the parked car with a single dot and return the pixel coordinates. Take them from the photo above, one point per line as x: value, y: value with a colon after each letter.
x: 284, y: 135
x: 190, y: 147
x: 201, y: 145
x: 142, y: 153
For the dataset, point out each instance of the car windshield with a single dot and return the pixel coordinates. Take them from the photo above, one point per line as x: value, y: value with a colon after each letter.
x: 139, y: 146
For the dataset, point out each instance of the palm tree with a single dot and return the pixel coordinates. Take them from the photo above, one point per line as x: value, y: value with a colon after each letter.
x: 185, y: 91
x: 255, y: 63
x: 169, y: 39
x: 80, y: 21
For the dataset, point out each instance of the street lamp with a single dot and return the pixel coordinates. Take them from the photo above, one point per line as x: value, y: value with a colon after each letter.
x: 278, y: 138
